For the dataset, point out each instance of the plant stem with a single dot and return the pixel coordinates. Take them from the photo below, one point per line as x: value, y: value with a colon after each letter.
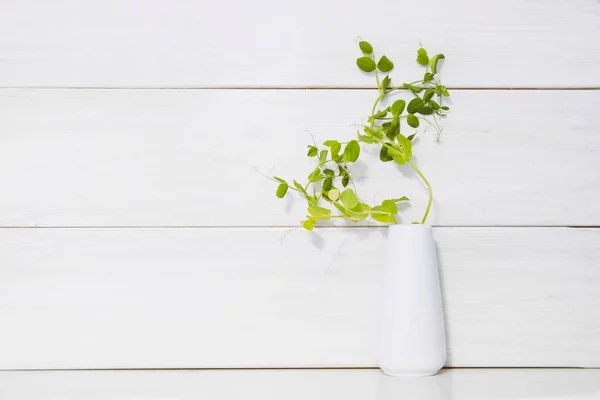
x: 373, y: 110
x: 428, y: 188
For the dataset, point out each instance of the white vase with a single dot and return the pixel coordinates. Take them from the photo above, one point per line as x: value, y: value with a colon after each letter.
x: 412, y: 340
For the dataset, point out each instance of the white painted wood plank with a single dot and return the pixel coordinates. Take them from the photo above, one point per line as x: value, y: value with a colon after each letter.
x: 463, y: 384
x: 183, y: 298
x: 191, y: 43
x: 186, y: 157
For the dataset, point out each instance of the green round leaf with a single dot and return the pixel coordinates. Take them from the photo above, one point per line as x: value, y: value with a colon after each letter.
x: 390, y: 207
x: 312, y: 151
x: 366, y: 64
x: 345, y: 180
x: 322, y: 157
x: 309, y: 224
x: 414, y: 106
x: 381, y: 215
x: 319, y: 212
x: 428, y: 94
x: 365, y: 47
x: 282, y: 190
x: 352, y: 151
x: 327, y: 184
x: 406, y: 146
x: 333, y: 194
x: 391, y: 129
x: 278, y: 179
x: 412, y: 121
x: 383, y: 154
x: 426, y: 110
x: 398, y: 107
x: 384, y: 64
x: 349, y: 198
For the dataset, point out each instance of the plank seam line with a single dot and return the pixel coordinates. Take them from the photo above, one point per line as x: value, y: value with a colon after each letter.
x: 285, y: 227
x: 224, y: 369
x: 316, y: 88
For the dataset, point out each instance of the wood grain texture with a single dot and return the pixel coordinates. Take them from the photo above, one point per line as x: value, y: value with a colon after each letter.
x: 186, y: 157
x: 183, y: 298
x: 463, y: 384
x: 191, y: 43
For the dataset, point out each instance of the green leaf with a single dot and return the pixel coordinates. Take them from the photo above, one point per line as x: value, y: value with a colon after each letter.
x: 300, y: 187
x: 366, y: 139
x: 319, y: 212
x: 390, y: 207
x: 381, y: 113
x: 398, y: 107
x: 374, y: 132
x: 426, y: 110
x: 433, y: 63
x: 391, y: 129
x: 309, y: 224
x: 445, y: 92
x: 414, y: 89
x: 445, y: 108
x: 428, y: 77
x: 366, y: 64
x: 328, y: 172
x: 278, y: 179
x: 322, y: 157
x: 365, y: 47
x: 330, y: 143
x: 352, y: 151
x: 395, y: 151
x: 383, y: 154
x: 349, y: 198
x: 282, y: 190
x: 315, y: 176
x: 369, y: 131
x: 439, y: 90
x: 413, y: 121
x: 341, y: 208
x: 377, y: 216
x: 406, y: 147
x: 327, y: 184
x: 385, y: 83
x: 411, y: 136
x: 384, y: 64
x: 422, y: 57
x: 360, y: 212
x: 428, y: 94
x: 345, y: 180
x: 333, y: 194
x: 434, y: 105
x: 403, y: 198
x: 335, y: 149
x: 414, y: 105
x: 312, y: 151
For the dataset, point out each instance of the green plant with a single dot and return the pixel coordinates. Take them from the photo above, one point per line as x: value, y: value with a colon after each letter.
x: 384, y: 130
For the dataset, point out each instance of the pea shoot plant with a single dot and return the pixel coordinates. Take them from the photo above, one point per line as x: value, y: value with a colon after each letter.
x: 327, y: 185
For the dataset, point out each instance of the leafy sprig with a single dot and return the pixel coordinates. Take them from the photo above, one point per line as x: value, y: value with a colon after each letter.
x: 327, y: 186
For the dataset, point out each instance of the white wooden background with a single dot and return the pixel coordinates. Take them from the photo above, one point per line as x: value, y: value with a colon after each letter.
x: 135, y: 233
